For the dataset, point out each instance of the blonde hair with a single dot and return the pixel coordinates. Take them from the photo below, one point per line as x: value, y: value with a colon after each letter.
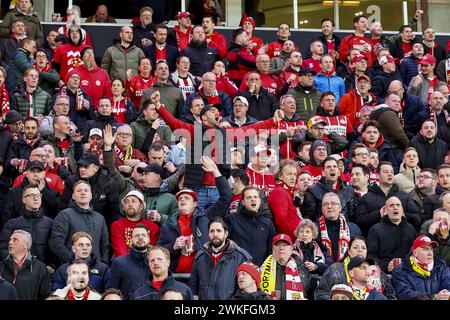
x: 306, y: 223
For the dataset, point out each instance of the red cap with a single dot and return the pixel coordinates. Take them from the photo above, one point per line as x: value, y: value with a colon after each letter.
x: 72, y: 72
x: 248, y: 19
x: 427, y: 59
x: 359, y: 57
x: 387, y: 58
x: 189, y: 192
x: 282, y: 237
x: 252, y: 269
x: 424, y: 241
x: 185, y: 14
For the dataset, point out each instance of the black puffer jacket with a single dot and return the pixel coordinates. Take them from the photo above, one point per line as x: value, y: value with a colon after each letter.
x: 381, y: 81
x: 431, y: 155
x: 217, y: 282
x: 312, y: 204
x: 387, y: 241
x: 38, y: 225
x: 202, y: 58
x: 258, y: 295
x: 367, y: 212
x: 99, y: 122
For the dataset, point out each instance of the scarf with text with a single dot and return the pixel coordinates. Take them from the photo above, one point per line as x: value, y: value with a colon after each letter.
x: 318, y: 254
x: 123, y: 155
x: 78, y: 96
x: 360, y: 294
x: 4, y: 97
x: 346, y: 262
x: 422, y: 269
x: 344, y: 237
x: 433, y: 116
x: 294, y: 287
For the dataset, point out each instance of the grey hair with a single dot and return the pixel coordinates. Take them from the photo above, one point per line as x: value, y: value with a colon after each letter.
x: 26, y: 235
x: 331, y: 194
x: 284, y: 97
x: 439, y: 210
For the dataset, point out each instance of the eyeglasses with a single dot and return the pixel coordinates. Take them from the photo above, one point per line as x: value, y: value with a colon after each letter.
x: 33, y: 196
x: 209, y: 80
x: 410, y: 155
x: 332, y: 204
x: 124, y: 135
x: 425, y: 177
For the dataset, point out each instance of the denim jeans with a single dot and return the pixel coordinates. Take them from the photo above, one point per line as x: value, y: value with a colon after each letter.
x: 206, y: 196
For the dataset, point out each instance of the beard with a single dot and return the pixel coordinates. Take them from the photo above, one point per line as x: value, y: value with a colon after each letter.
x: 217, y: 243
x: 141, y: 247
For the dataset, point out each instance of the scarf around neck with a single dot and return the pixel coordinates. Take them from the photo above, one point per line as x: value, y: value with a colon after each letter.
x: 4, y: 97
x: 294, y: 287
x: 71, y: 296
x: 78, y: 94
x: 422, y: 269
x: 360, y: 294
x: 433, y: 116
x: 123, y: 155
x: 344, y: 237
x: 318, y: 254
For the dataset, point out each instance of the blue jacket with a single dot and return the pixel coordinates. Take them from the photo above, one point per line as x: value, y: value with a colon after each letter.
x: 98, y: 275
x: 172, y: 55
x: 409, y: 68
x: 335, y: 84
x: 409, y: 284
x: 376, y: 295
x: 225, y: 101
x: 170, y: 230
x: 217, y: 282
x: 148, y: 292
x: 129, y: 272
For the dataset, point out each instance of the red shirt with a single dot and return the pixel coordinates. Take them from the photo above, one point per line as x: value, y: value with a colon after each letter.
x: 185, y: 262
x: 68, y: 57
x: 53, y: 181
x: 95, y: 83
x: 218, y: 42
x: 331, y: 45
x: 407, y: 48
x: 121, y: 234
x: 161, y: 53
x: 353, y: 41
x: 235, y: 203
x: 183, y: 39
x: 257, y: 44
x: 120, y: 110
x: 312, y: 64
x: 274, y: 48
x: 261, y: 180
x: 136, y: 88
x: 157, y: 284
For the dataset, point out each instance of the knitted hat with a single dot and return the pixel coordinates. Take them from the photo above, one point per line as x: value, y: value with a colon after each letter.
x: 314, y: 146
x: 248, y: 19
x: 12, y: 117
x: 252, y: 269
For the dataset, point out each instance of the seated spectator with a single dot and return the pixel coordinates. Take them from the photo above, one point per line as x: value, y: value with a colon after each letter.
x: 424, y: 192
x: 307, y: 96
x: 409, y: 171
x: 439, y: 198
x: 49, y: 78
x: 101, y: 16
x: 341, y: 292
x: 436, y: 113
x: 214, y: 39
x: 302, y: 154
x: 248, y: 279
x: 360, y: 273
x: 422, y: 273
x: 437, y: 229
x: 136, y: 85
x: 359, y: 181
x: 390, y: 239
x: 61, y: 107
x: 82, y: 244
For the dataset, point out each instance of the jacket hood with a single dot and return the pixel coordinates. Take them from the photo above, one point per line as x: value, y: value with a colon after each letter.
x: 79, y: 210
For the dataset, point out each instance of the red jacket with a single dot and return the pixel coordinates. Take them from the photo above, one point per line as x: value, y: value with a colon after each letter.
x: 268, y: 81
x: 350, y: 105
x: 53, y: 181
x: 136, y: 87
x: 352, y: 41
x: 312, y: 64
x: 284, y: 211
x: 240, y: 61
x: 218, y: 42
x: 121, y: 234
x: 264, y: 181
x: 96, y: 84
x: 286, y: 151
x: 283, y: 87
x: 257, y: 44
x: 183, y: 39
x: 68, y: 57
x: 225, y: 85
x: 274, y: 48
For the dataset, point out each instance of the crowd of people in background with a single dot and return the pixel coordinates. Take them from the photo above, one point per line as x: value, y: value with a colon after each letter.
x: 186, y: 166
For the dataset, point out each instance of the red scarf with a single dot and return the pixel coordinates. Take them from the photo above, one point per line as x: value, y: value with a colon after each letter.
x: 46, y: 68
x: 123, y: 155
x: 4, y: 98
x: 329, y: 74
x: 70, y: 295
x: 433, y: 116
x: 344, y: 237
x: 214, y: 99
x: 31, y: 143
x: 78, y: 94
x: 64, y: 146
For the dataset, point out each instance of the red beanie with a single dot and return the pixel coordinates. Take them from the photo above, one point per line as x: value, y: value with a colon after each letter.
x: 248, y: 19
x: 252, y: 269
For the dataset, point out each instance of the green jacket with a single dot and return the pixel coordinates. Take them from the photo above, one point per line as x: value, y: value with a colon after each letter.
x: 171, y: 97
x: 49, y: 81
x: 443, y: 250
x: 58, y: 152
x: 307, y: 103
x: 116, y: 62
x: 140, y: 129
x: 41, y: 102
x: 165, y: 203
x: 31, y: 21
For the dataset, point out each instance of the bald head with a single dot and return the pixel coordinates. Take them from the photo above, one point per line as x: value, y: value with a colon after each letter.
x: 437, y: 101
x: 394, y: 209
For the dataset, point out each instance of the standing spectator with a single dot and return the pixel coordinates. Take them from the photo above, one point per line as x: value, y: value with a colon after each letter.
x: 101, y: 16
x: 260, y: 175
x: 424, y: 192
x: 314, y: 62
x: 50, y: 43
x: 4, y: 95
x: 437, y: 229
x: 9, y: 131
x: 248, y: 278
x: 130, y: 271
x: 7, y: 290
x: 357, y: 40
x: 273, y: 49
x: 143, y: 29
x: 122, y: 108
x: 240, y: 58
x: 80, y: 216
x: 285, y: 272
x: 422, y: 85
x: 82, y: 251
x: 409, y: 67
x: 329, y: 39
x: 249, y: 25
x: 94, y: 80
x: 201, y: 55
x: 306, y: 95
x: 409, y: 173
x: 279, y: 63
x: 268, y: 81
x: 22, y: 61
x: 184, y: 30
x: 214, y: 270
x: 223, y: 82
x: 73, y: 17
x: 8, y: 46
x: 383, y: 78
x: 430, y: 46
x: 327, y: 80
x: 161, y: 50
x: 214, y: 39
x: 289, y: 76
x: 392, y: 238
x: 28, y: 275
x: 122, y: 56
x: 360, y: 176
x: 68, y: 56
x: 136, y: 85
x: 360, y: 273
x: 103, y: 117
x: 133, y: 206
x: 183, y: 79
x: 78, y: 283
x: 49, y: 78
x: 422, y: 273
x: 23, y: 12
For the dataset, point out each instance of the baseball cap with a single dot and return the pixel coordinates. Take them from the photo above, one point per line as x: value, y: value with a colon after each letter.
x: 152, y: 168
x: 314, y: 120
x: 135, y: 193
x: 427, y: 59
x: 88, y: 159
x: 385, y: 59
x: 252, y: 269
x: 364, y: 77
x: 35, y: 165
x: 338, y: 157
x: 424, y: 241
x: 342, y: 288
x: 243, y: 100
x: 305, y: 71
x: 96, y: 131
x: 259, y: 148
x: 208, y: 107
x: 358, y: 57
x: 357, y: 262
x: 282, y: 237
x: 189, y: 192
x: 185, y: 14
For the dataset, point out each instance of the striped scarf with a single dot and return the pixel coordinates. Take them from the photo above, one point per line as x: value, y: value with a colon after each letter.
x: 318, y: 254
x: 360, y: 294
x: 433, y: 116
x: 294, y: 287
x: 123, y: 155
x: 4, y: 100
x: 423, y: 270
x: 344, y: 237
x: 78, y: 96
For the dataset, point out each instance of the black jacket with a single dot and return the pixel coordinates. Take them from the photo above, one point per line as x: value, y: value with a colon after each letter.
x: 32, y: 281
x: 148, y: 292
x: 77, y: 117
x: 5, y: 141
x: 18, y: 149
x: 202, y: 58
x: 129, y: 272
x: 312, y: 203
x: 381, y: 81
x: 172, y: 55
x: 139, y: 33
x: 438, y: 52
x: 416, y: 124
x: 387, y: 241
x: 431, y: 155
x: 253, y: 232
x: 5, y: 185
x: 105, y: 196
x: 433, y: 203
x: 170, y: 230
x: 444, y: 133
x: 258, y: 295
x: 74, y: 219
x: 99, y: 122
x: 7, y: 290
x: 262, y: 107
x: 217, y: 282
x: 367, y: 212
x: 38, y: 225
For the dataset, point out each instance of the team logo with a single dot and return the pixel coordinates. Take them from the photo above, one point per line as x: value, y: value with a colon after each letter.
x: 97, y: 83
